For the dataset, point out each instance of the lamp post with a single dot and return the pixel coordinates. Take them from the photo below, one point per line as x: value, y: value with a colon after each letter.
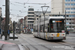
x: 44, y: 10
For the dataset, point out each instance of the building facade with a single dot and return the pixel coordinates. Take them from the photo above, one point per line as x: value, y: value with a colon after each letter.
x: 30, y: 18
x: 57, y: 7
x: 0, y: 11
x: 62, y: 7
x: 70, y: 7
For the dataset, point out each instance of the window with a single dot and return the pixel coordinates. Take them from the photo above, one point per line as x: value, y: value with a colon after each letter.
x: 37, y: 15
x: 67, y: 12
x: 30, y: 18
x: 56, y: 25
x: 71, y: 0
x: 72, y: 12
x: 72, y: 8
x: 67, y: 4
x: 30, y: 12
x: 30, y: 9
x: 67, y: 8
x: 30, y: 21
x: 30, y: 15
x: 72, y: 4
x: 71, y: 15
x: 67, y: 0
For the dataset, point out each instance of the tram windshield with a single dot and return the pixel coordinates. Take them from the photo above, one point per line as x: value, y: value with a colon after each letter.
x: 56, y: 25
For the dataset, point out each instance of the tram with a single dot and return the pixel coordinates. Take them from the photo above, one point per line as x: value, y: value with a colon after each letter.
x: 50, y: 28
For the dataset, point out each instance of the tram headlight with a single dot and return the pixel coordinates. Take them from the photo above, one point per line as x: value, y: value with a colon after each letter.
x: 52, y: 34
x: 62, y: 34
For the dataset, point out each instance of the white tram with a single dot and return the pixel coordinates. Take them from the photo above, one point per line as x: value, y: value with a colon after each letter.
x: 52, y: 28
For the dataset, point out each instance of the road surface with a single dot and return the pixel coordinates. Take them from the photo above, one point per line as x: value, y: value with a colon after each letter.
x: 31, y: 43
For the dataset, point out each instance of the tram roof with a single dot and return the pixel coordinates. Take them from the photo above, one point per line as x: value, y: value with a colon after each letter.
x: 56, y: 17
x: 52, y: 17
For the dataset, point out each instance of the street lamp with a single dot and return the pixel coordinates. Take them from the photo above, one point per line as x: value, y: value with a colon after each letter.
x: 44, y: 10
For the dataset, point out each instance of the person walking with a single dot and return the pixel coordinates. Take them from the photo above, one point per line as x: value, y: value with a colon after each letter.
x: 2, y: 33
x: 67, y: 32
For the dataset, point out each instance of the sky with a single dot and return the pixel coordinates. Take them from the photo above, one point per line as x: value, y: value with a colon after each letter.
x: 19, y: 10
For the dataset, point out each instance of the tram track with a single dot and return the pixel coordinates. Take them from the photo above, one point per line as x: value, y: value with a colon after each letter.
x: 1, y: 46
x: 28, y: 43
x: 37, y: 43
x: 61, y: 43
x: 66, y: 44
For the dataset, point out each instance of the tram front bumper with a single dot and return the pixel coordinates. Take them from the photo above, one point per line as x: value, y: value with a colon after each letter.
x: 57, y: 38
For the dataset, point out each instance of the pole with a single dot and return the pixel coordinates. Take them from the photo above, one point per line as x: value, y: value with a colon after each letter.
x: 13, y: 30
x: 40, y: 23
x: 44, y: 23
x: 0, y: 18
x: 0, y: 24
x: 65, y: 21
x: 6, y: 19
x: 59, y: 13
x: 24, y: 26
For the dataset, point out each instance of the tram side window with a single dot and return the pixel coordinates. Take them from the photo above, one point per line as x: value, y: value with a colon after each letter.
x: 48, y: 29
x: 41, y: 28
x: 35, y: 28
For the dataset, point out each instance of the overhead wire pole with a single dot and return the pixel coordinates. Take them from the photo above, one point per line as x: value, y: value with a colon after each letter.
x: 65, y: 21
x: 6, y: 19
x: 44, y: 11
x: 0, y: 24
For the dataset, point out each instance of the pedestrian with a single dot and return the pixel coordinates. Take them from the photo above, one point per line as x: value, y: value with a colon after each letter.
x: 2, y: 34
x: 8, y: 32
x: 67, y: 32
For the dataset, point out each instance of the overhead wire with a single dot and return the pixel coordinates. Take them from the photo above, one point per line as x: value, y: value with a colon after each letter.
x: 48, y: 3
x: 27, y: 1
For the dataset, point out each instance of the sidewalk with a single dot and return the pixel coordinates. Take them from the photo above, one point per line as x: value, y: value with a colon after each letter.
x: 11, y: 44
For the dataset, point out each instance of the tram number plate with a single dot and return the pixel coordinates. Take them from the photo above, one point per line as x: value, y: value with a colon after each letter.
x: 58, y: 34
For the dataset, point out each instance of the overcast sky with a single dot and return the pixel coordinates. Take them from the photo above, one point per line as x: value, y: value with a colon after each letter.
x: 18, y: 8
